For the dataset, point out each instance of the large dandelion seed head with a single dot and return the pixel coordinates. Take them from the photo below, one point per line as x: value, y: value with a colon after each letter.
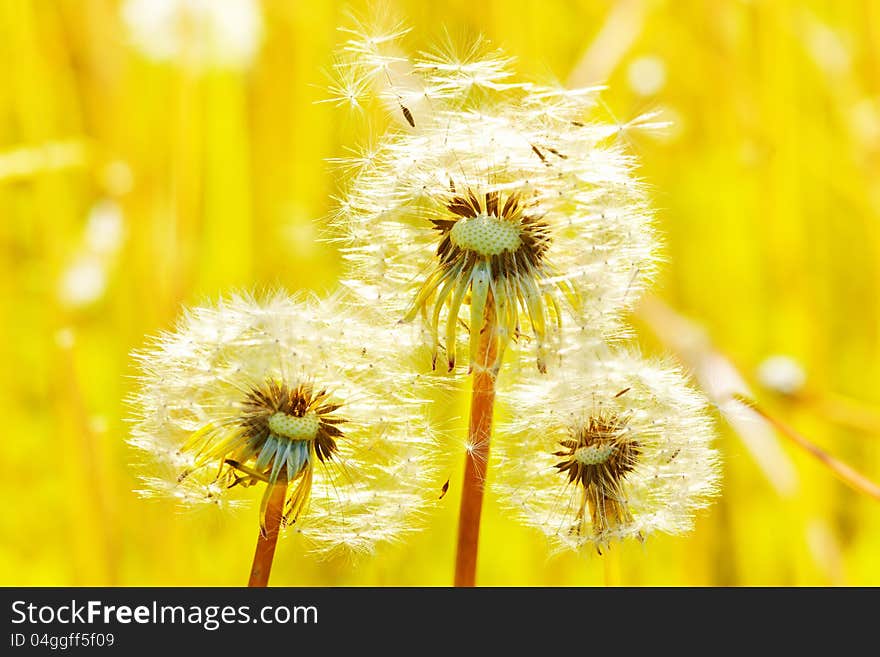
x: 491, y: 199
x: 608, y: 447
x: 203, y: 34
x: 254, y: 391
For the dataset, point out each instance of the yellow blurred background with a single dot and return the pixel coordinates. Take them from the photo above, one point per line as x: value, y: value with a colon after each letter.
x: 142, y: 169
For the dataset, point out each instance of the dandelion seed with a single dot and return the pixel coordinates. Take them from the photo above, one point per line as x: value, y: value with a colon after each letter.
x: 85, y: 279
x: 610, y: 447
x: 447, y: 68
x: 502, y: 204
x: 349, y: 86
x: 105, y: 228
x: 279, y: 391
x: 368, y: 38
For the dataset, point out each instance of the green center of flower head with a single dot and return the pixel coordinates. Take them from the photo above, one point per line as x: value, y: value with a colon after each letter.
x: 593, y: 454
x: 293, y: 427
x: 486, y: 235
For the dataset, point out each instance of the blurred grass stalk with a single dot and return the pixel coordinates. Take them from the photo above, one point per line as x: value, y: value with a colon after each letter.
x: 845, y: 473
x: 731, y: 395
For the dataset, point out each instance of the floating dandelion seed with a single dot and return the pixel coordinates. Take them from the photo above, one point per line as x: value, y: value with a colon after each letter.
x: 609, y: 447
x: 280, y: 391
x: 499, y: 203
x: 349, y: 86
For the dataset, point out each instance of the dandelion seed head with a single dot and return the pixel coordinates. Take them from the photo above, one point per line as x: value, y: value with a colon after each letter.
x: 83, y: 282
x: 204, y: 34
x: 782, y: 374
x: 105, y: 228
x: 85, y: 279
x: 252, y: 390
x: 609, y: 446
x: 647, y: 75
x: 492, y: 197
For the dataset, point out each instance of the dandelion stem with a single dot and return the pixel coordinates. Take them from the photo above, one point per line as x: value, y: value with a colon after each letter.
x: 268, y: 537
x: 477, y: 456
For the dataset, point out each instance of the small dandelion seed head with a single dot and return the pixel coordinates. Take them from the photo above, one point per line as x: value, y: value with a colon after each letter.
x: 83, y: 283
x: 201, y: 34
x: 493, y: 199
x: 609, y: 446
x: 251, y: 390
x: 647, y: 75
x: 782, y: 374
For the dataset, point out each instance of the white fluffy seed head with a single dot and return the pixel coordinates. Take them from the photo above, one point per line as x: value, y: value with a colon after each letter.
x: 672, y: 469
x: 201, y: 34
x: 469, y: 125
x: 782, y: 374
x: 193, y: 382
